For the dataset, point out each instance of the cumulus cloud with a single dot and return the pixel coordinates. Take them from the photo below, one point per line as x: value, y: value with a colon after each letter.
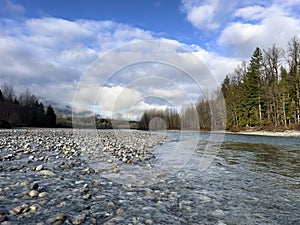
x: 201, y: 16
x: 275, y: 26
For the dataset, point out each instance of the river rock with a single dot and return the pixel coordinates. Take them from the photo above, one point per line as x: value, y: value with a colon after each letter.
x: 39, y: 168
x: 16, y: 210
x: 78, y: 219
x: 33, y: 193
x: 46, y: 173
x: 43, y: 194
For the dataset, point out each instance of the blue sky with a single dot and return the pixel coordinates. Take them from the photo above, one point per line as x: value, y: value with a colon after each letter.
x: 47, y: 46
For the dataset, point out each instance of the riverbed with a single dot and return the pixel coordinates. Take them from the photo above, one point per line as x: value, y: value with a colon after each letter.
x: 167, y: 178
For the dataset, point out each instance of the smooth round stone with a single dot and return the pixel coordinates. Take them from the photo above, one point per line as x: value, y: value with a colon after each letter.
x: 24, y: 183
x: 33, y: 193
x: 43, y: 194
x: 39, y: 168
x: 149, y: 221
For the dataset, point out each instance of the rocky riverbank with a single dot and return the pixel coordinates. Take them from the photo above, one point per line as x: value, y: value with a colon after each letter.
x: 287, y: 133
x: 46, y: 178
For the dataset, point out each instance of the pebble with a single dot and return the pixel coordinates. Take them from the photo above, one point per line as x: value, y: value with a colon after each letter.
x: 46, y: 173
x: 24, y: 183
x: 33, y: 207
x: 60, y: 217
x: 16, y: 210
x: 110, y: 203
x: 149, y: 221
x: 33, y: 193
x: 120, y: 211
x: 39, y: 168
x: 78, y: 219
x: 43, y: 194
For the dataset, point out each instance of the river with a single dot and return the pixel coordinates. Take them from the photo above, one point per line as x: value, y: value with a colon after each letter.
x: 252, y: 179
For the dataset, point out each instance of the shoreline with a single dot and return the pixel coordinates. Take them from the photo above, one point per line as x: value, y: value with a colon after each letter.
x: 287, y: 133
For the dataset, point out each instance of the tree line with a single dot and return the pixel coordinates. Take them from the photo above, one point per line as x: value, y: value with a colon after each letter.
x: 24, y: 110
x: 263, y: 93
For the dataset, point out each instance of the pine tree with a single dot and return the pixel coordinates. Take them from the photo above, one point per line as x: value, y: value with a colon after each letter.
x: 51, y: 116
x: 252, y: 103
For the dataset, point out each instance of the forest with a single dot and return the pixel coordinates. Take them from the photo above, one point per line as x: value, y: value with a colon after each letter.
x: 23, y: 110
x: 261, y: 94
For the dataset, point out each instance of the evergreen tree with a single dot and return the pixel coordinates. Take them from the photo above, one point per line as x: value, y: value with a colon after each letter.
x: 51, y: 116
x: 1, y: 96
x: 252, y: 108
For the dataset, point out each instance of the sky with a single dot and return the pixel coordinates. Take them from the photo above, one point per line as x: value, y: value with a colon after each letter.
x: 57, y: 49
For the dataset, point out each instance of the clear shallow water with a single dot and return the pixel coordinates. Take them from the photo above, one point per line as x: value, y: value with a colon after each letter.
x: 253, y: 179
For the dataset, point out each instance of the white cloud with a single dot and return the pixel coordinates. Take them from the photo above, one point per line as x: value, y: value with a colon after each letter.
x: 50, y: 50
x: 237, y: 27
x: 250, y: 12
x: 275, y: 27
x: 218, y: 65
x: 117, y: 98
x: 201, y: 16
x: 50, y: 55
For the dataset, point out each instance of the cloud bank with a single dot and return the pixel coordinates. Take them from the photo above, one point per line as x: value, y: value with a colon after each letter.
x: 50, y: 57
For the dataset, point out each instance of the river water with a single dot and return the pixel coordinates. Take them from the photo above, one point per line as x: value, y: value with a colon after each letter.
x: 252, y: 179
